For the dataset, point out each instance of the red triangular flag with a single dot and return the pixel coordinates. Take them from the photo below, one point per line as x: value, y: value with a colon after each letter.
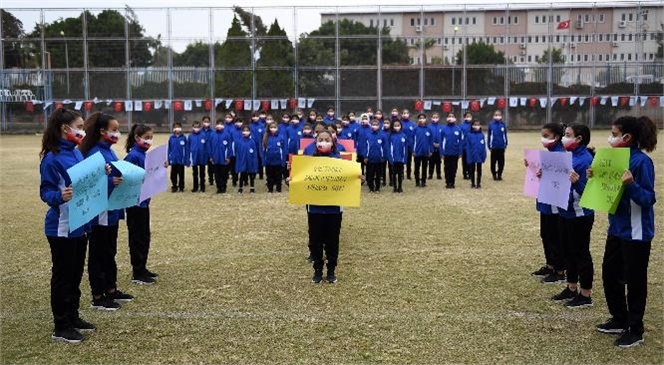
x: 563, y: 25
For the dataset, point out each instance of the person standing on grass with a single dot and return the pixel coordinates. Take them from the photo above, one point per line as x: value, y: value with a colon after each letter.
x: 374, y: 155
x: 422, y: 149
x: 497, y: 140
x: 207, y: 132
x: 450, y: 149
x: 257, y: 132
x: 434, y: 160
x: 221, y: 153
x: 198, y: 155
x: 236, y: 136
x: 246, y: 160
x: 64, y: 131
x: 475, y: 148
x: 576, y: 223
x: 630, y: 233
x: 138, y: 143
x: 554, y: 270
x: 397, y: 152
x: 466, y: 128
x: 101, y: 132
x: 408, y: 129
x: 178, y: 157
x: 275, y: 156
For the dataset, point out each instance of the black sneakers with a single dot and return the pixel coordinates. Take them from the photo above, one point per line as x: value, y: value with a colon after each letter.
x: 68, y: 335
x: 579, y: 301
x: 318, y: 277
x: 564, y: 295
x: 151, y: 274
x: 629, y: 339
x: 611, y: 327
x: 120, y: 296
x: 553, y: 278
x: 542, y: 271
x: 143, y: 280
x: 331, y: 278
x: 83, y: 326
x: 104, y: 303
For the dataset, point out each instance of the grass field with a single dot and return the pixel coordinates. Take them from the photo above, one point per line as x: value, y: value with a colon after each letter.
x: 428, y: 276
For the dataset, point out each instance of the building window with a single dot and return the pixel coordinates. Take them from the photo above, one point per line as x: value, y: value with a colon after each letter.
x: 622, y: 37
x: 530, y: 39
x: 615, y: 37
x: 371, y: 23
x: 419, y: 21
x: 615, y: 56
x: 601, y: 18
x: 495, y: 20
x: 516, y: 20
x: 622, y: 56
x: 384, y: 23
x: 391, y: 22
x: 536, y: 58
x: 411, y: 60
x: 530, y: 58
x: 586, y: 18
x: 502, y: 20
x: 495, y: 40
x: 629, y: 57
x: 432, y: 22
x: 509, y: 20
x: 600, y: 58
x: 419, y: 60
x: 412, y: 22
x: 439, y: 41
x: 623, y: 17
x: 454, y: 21
x: 426, y: 21
x: 630, y: 37
x: 558, y: 39
x: 522, y: 59
x: 630, y: 17
x: 447, y: 41
x: 536, y: 19
x: 585, y: 58
x: 606, y: 57
x: 558, y: 18
x: 515, y: 40
x: 543, y: 18
x: 587, y: 38
x: 578, y: 58
x: 460, y: 21
x: 523, y: 39
x: 601, y: 36
x: 644, y: 14
x: 474, y: 20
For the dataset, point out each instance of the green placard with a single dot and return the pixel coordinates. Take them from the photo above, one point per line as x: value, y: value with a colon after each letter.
x: 604, y: 189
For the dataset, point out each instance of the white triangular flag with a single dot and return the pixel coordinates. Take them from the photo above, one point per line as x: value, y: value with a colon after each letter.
x: 456, y: 103
x: 614, y: 100
x: 129, y: 105
x: 491, y: 101
x: 274, y: 104
x: 482, y: 101
x: 310, y: 102
x: 138, y: 105
x: 524, y: 102
x: 582, y: 101
x: 256, y: 104
x: 301, y: 103
x: 188, y: 105
x: 96, y: 100
x: 37, y: 102
x: 437, y: 102
x: 427, y: 105
x: 67, y: 101
x: 604, y: 100
x: 227, y: 103
x: 632, y: 100
x: 78, y: 105
x: 247, y: 105
x: 47, y: 104
x: 218, y: 101
x: 199, y: 103
x: 283, y: 103
x: 644, y: 100
x: 167, y: 104
x: 553, y: 100
x: 542, y: 102
x: 572, y: 99
x: 109, y: 101
x: 464, y: 104
x: 158, y: 104
x: 661, y: 101
x: 514, y: 102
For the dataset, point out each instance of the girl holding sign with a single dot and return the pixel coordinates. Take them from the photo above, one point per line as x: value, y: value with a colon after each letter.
x: 138, y: 143
x: 64, y: 131
x: 102, y: 132
x: 631, y: 230
x: 576, y: 223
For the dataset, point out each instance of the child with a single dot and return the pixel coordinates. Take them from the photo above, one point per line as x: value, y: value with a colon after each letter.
x: 422, y: 149
x: 450, y: 149
x: 178, y: 157
x: 138, y: 142
x: 476, y: 154
x: 576, y: 223
x: 207, y: 132
x: 246, y: 159
x: 312, y: 117
x: 319, y: 118
x: 394, y: 114
x: 465, y: 129
x: 397, y: 152
x: 257, y: 132
x: 333, y: 131
x: 434, y: 161
x: 554, y: 270
x: 361, y: 140
x: 330, y: 118
x: 374, y: 155
x: 63, y: 132
x: 353, y: 123
x: 293, y: 136
x: 102, y: 131
x: 221, y: 153
x: 236, y: 136
x: 275, y: 153
x: 408, y: 129
x: 346, y: 131
x: 630, y: 233
x: 324, y: 222
x: 497, y: 138
x: 198, y: 155
x: 386, y: 167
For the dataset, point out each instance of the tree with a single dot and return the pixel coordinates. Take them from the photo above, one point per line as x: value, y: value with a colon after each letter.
x: 196, y: 54
x: 483, y: 81
x: 233, y: 57
x: 557, y: 72
x: 428, y: 44
x: 12, y: 28
x: 277, y: 51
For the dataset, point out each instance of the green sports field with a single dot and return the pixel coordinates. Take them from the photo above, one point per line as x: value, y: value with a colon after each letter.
x: 428, y: 276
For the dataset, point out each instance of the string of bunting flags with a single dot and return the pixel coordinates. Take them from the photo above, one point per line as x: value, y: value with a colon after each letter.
x: 446, y: 106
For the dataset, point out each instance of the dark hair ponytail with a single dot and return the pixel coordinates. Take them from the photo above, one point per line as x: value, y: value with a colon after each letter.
x: 583, y: 131
x: 643, y: 131
x: 136, y: 130
x: 93, y: 126
x: 558, y: 129
x: 52, y: 133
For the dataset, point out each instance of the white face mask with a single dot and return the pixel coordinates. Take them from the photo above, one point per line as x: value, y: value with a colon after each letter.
x: 546, y: 142
x: 219, y: 127
x: 324, y: 146
x: 352, y: 118
x: 286, y: 120
x: 238, y: 125
x: 435, y: 120
x: 568, y: 141
x: 177, y: 130
x: 451, y: 120
x: 196, y: 130
x: 307, y: 131
x: 206, y: 124
x: 228, y: 121
x: 386, y: 126
x: 497, y: 117
x: 273, y: 130
x: 477, y: 127
x: 77, y: 132
x: 397, y: 129
x: 115, y: 135
x: 147, y: 141
x: 617, y: 141
x: 345, y: 122
x: 374, y: 127
x: 246, y: 133
x: 468, y: 119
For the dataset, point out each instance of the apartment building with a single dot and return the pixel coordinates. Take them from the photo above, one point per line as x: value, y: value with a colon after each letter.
x: 587, y: 34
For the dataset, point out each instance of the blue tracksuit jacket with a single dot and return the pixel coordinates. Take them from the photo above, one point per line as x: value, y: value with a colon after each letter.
x: 178, y: 150
x: 581, y: 161
x: 496, y: 135
x: 450, y: 140
x: 422, y: 141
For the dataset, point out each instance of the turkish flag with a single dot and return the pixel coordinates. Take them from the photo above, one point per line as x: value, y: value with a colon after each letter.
x: 563, y: 25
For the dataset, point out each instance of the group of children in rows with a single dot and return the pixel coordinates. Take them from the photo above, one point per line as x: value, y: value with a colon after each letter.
x: 67, y: 140
x: 565, y: 232
x: 384, y: 147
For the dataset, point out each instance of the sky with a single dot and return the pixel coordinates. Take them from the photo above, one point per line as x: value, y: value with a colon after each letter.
x: 189, y: 24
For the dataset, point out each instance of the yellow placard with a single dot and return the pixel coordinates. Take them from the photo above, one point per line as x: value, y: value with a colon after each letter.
x: 324, y: 181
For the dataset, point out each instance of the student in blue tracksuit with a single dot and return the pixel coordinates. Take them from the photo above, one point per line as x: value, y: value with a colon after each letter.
x: 361, y: 140
x: 475, y: 147
x: 221, y: 146
x: 408, y: 129
x: 246, y: 159
x: 178, y: 157
x: 497, y: 140
x: 576, y: 223
x: 101, y: 132
x: 330, y: 117
x: 275, y: 156
x: 374, y: 155
x: 333, y: 131
x: 138, y: 142
x: 630, y: 234
x: 64, y: 131
x: 347, y: 131
x: 554, y: 269
x: 236, y: 135
x: 394, y: 114
x: 465, y: 129
x: 199, y: 155
x: 436, y: 132
x: 397, y: 152
x: 386, y: 167
x: 206, y: 129
x: 286, y: 125
x: 422, y: 149
x: 324, y: 222
x: 450, y: 149
x: 353, y: 124
x: 257, y: 132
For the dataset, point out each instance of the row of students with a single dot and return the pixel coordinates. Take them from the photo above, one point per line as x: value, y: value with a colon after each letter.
x: 565, y: 233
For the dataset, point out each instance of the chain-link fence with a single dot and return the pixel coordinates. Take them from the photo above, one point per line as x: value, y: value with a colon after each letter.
x: 542, y: 62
